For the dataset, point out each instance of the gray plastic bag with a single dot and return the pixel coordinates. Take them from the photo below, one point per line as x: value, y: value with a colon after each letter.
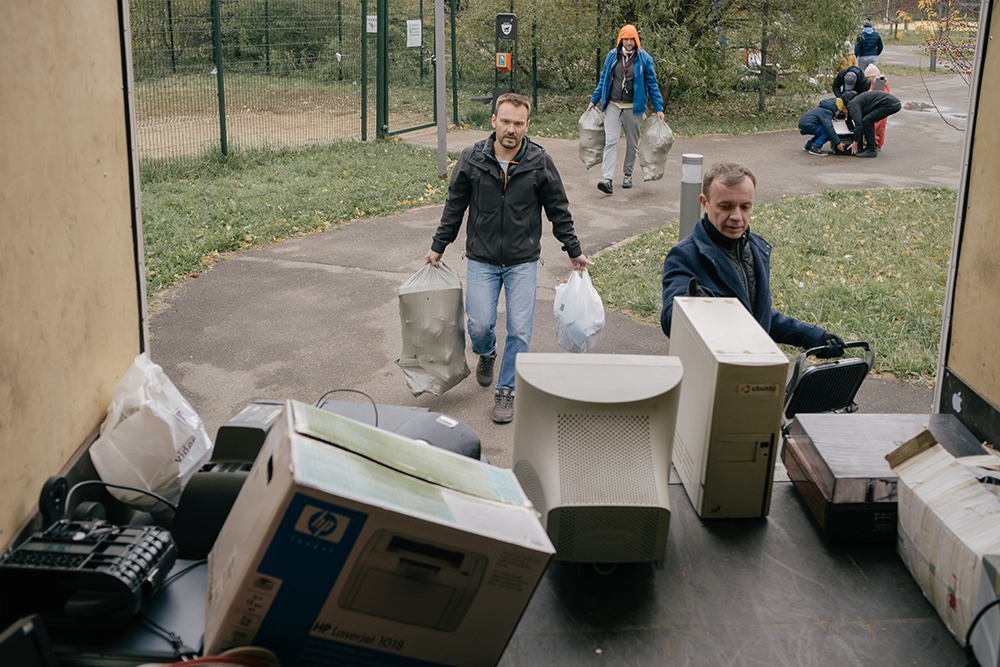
x: 654, y: 145
x: 592, y: 136
x: 432, y: 316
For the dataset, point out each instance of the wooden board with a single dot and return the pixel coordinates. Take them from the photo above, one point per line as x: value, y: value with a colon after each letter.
x: 71, y: 309
x: 972, y: 352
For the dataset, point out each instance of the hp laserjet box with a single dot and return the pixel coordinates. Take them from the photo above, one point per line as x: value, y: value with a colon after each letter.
x: 351, y: 545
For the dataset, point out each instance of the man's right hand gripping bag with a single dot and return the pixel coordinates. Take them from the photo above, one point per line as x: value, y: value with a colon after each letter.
x: 432, y: 315
x: 592, y: 136
x: 654, y: 145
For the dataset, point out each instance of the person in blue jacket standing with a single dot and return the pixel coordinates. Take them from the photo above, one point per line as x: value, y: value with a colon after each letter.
x: 628, y: 82
x: 721, y: 258
x: 868, y: 46
x: 819, y: 123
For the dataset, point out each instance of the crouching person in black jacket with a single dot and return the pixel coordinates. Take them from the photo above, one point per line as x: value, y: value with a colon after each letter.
x: 863, y: 111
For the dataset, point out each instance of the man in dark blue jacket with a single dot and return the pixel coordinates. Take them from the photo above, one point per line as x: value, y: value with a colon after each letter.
x: 504, y: 182
x: 868, y: 46
x: 721, y: 258
x: 819, y: 123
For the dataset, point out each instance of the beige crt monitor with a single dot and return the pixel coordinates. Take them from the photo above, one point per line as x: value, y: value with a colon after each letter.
x: 592, y: 441
x: 730, y: 409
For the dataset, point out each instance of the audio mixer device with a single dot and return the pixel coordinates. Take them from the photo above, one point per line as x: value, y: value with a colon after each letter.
x: 85, y: 574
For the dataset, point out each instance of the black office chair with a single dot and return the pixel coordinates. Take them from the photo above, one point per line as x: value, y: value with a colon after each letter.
x: 826, y: 387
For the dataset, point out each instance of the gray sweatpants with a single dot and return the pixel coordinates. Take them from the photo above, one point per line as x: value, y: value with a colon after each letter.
x: 614, y: 120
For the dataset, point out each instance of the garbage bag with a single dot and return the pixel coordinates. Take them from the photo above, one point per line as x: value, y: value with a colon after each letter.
x: 432, y: 317
x: 152, y: 438
x: 654, y: 145
x: 592, y: 136
x: 579, y: 313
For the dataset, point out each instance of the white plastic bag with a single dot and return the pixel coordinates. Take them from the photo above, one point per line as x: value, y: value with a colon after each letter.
x: 579, y: 313
x: 592, y: 136
x: 654, y: 145
x: 151, y: 439
x: 432, y: 316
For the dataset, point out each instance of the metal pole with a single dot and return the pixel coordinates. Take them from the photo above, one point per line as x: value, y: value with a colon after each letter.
x: 340, y: 40
x: 454, y: 68
x: 598, y: 66
x: 217, y: 43
x: 267, y: 37
x: 382, y: 70
x: 534, y: 69
x: 364, y: 70
x: 173, y: 54
x: 690, y: 189
x: 439, y: 107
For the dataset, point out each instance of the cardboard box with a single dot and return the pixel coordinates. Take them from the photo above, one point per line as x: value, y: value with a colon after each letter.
x: 947, y: 522
x: 351, y: 545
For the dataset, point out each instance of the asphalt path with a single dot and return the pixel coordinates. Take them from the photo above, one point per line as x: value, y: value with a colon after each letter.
x: 320, y: 312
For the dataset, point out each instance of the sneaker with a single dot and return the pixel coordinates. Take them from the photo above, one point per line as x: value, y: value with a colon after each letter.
x: 627, y: 181
x: 484, y: 369
x: 503, y: 406
x: 868, y: 152
x: 807, y: 147
x: 815, y: 151
x: 605, y: 186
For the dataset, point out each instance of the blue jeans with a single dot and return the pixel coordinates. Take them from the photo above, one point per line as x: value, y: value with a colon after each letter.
x: 819, y: 138
x: 482, y: 294
x: 865, y: 61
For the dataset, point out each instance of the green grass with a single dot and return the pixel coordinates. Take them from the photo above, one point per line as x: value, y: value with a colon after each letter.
x: 914, y: 37
x: 193, y: 214
x: 732, y: 114
x: 867, y: 265
x: 909, y: 70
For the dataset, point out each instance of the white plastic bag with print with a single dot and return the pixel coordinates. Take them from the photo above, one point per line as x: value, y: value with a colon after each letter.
x: 152, y: 438
x: 654, y: 145
x: 579, y: 313
x: 432, y: 315
x: 592, y: 136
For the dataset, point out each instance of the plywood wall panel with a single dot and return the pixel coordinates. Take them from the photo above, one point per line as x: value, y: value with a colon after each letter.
x: 975, y: 327
x: 69, y: 303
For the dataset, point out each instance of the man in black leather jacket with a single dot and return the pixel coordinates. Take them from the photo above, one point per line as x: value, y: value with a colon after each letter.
x: 504, y: 181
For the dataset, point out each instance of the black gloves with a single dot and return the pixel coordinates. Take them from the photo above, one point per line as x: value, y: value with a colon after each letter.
x: 694, y: 289
x: 834, y: 346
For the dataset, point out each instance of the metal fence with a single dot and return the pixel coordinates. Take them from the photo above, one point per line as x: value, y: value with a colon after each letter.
x: 255, y: 73
x: 278, y: 73
x: 291, y: 74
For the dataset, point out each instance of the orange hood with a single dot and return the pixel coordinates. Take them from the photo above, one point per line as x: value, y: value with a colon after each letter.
x: 628, y: 30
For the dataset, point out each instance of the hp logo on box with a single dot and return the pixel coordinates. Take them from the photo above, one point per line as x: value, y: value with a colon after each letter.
x: 322, y: 524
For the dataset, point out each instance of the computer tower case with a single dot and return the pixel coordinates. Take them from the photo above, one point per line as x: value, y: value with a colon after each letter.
x: 729, y: 421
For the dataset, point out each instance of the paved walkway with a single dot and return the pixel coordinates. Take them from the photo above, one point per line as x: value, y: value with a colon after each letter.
x: 320, y: 312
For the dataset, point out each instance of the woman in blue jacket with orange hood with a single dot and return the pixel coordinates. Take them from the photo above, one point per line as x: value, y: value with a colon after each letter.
x: 628, y: 82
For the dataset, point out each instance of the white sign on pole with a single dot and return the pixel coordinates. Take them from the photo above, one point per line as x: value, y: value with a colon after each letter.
x: 413, y: 33
x: 372, y: 24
